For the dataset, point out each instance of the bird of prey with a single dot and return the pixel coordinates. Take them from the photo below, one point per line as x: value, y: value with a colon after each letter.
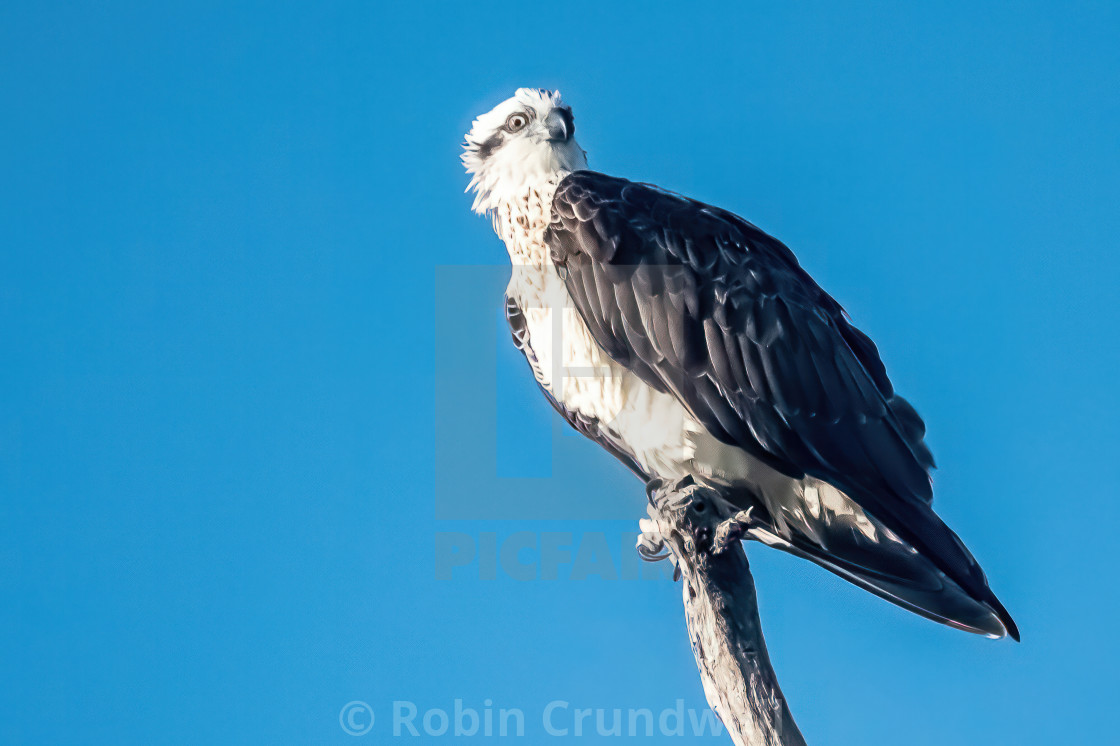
x: 689, y: 343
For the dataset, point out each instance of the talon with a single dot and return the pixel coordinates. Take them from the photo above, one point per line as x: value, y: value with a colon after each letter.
x: 653, y: 554
x: 732, y: 530
x: 651, y: 547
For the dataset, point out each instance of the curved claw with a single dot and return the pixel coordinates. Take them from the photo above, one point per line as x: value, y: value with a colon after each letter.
x: 732, y: 530
x: 650, y: 554
x: 651, y: 545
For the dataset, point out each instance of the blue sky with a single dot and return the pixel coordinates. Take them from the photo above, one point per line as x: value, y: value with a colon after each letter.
x: 232, y: 463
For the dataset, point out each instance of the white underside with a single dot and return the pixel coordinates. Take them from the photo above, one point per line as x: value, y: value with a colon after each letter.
x: 654, y: 427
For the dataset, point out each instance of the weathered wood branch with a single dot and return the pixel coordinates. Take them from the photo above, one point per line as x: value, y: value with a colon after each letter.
x: 692, y: 524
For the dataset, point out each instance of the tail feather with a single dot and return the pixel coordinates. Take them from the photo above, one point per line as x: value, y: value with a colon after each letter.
x: 858, y: 548
x: 935, y: 597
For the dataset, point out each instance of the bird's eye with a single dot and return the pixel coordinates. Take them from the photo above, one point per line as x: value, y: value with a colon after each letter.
x: 517, y: 121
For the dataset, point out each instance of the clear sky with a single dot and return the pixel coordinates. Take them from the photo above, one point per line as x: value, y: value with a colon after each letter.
x: 233, y: 467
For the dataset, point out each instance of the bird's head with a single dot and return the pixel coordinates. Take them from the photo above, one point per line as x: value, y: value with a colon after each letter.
x: 520, y: 142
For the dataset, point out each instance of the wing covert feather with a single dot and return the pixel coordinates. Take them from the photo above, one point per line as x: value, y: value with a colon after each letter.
x: 701, y: 303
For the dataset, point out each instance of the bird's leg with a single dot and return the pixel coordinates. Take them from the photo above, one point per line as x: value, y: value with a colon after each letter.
x: 731, y: 530
x: 652, y: 545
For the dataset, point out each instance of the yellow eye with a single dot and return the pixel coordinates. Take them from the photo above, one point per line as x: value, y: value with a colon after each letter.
x: 517, y: 121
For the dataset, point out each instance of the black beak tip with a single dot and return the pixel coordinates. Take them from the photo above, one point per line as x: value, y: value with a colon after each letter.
x: 558, y: 133
x: 561, y: 126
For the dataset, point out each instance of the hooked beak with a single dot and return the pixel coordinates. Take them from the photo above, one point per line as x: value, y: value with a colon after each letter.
x: 560, y: 125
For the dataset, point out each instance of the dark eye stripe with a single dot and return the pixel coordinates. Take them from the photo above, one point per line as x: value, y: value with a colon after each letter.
x: 487, y: 148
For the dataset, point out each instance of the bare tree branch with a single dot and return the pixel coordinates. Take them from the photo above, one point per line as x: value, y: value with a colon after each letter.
x: 691, y: 525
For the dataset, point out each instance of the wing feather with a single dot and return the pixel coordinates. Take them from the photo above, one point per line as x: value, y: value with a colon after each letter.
x: 702, y: 304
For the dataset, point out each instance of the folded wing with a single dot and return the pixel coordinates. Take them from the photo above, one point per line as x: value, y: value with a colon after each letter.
x: 700, y: 303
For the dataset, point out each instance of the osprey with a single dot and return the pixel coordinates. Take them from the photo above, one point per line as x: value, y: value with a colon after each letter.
x: 690, y: 344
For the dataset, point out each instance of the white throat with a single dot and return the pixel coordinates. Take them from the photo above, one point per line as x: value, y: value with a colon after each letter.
x: 521, y: 167
x: 521, y: 217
